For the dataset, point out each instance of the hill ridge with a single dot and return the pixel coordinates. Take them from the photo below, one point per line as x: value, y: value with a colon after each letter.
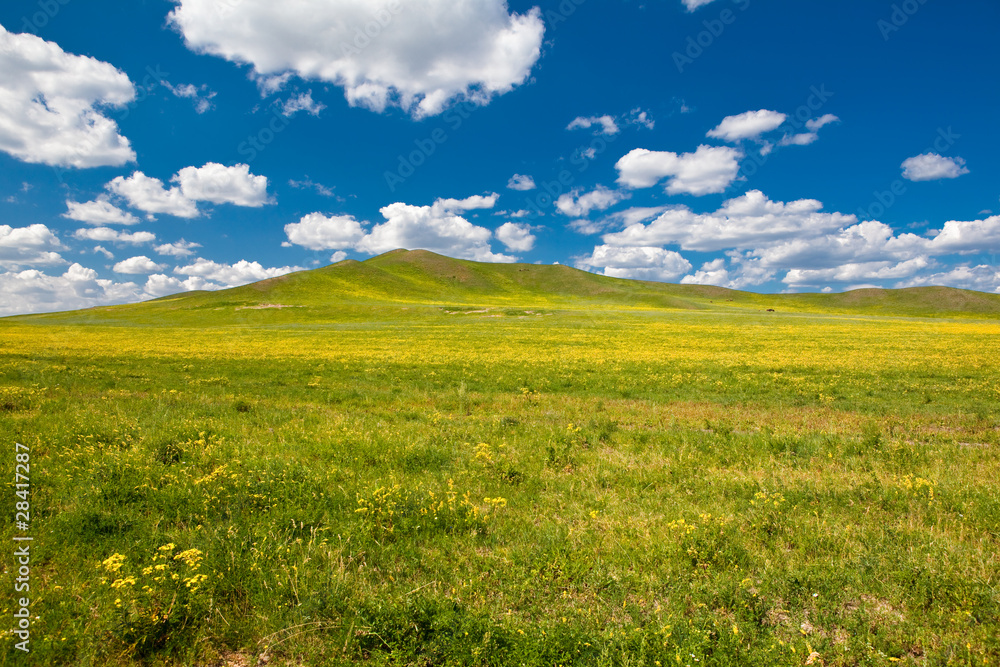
x: 410, y: 278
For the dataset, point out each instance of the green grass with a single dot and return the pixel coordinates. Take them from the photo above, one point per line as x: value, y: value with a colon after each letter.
x: 426, y: 461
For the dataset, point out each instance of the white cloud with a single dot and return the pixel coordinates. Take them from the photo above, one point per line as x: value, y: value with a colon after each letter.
x: 870, y: 242
x: 98, y: 212
x: 140, y: 264
x: 806, y: 138
x: 101, y: 250
x: 415, y: 56
x: 201, y: 96
x: 749, y: 125
x: 148, y: 194
x: 710, y: 273
x: 521, y: 182
x: 982, y: 277
x: 438, y: 228
x: 34, y: 245
x: 231, y: 275
x: 218, y: 184
x: 708, y: 170
x: 931, y: 167
x: 640, y: 263
x: 318, y: 232
x: 741, y: 273
x: 968, y: 236
x: 853, y: 272
x: 802, y: 139
x: 35, y: 292
x: 52, y: 104
x: 212, y: 182
x: 522, y: 213
x: 747, y: 221
x: 695, y: 4
x: 180, y: 248
x: 639, y: 117
x: 607, y: 123
x: 516, y: 237
x: 338, y: 256
x: 816, y: 124
x: 301, y: 102
x: 617, y: 219
x: 309, y: 184
x: 106, y: 235
x: 575, y: 204
x: 444, y: 206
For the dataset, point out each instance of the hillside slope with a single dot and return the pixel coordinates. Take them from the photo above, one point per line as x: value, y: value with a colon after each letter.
x: 425, y: 282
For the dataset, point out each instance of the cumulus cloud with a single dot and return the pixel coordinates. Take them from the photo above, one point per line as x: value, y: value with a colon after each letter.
x: 180, y: 248
x: 739, y: 273
x: 575, y: 204
x: 607, y: 124
x: 98, y: 212
x: 301, y: 102
x: 641, y: 263
x: 931, y: 167
x: 219, y: 184
x: 34, y: 245
x: 213, y: 183
x: 319, y: 232
x: 148, y: 194
x: 639, y: 117
x: 801, y: 139
x: 749, y: 125
x: 417, y: 56
x: 140, y: 264
x: 438, y: 228
x: 52, y: 105
x: 217, y: 276
x: 309, y: 184
x: 695, y: 4
x: 200, y: 96
x: 32, y: 291
x: 982, y: 277
x: 747, y: 221
x: 516, y: 237
x: 853, y: 272
x: 108, y: 235
x: 521, y: 182
x: 708, y: 170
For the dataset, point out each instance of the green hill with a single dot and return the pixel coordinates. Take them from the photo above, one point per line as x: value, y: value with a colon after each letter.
x: 428, y: 283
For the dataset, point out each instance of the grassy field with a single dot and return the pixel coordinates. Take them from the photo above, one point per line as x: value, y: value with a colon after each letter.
x: 419, y: 461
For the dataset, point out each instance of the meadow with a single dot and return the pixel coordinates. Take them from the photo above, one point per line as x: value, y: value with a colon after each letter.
x: 504, y: 483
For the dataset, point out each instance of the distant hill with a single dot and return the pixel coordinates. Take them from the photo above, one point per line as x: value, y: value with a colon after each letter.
x: 415, y: 279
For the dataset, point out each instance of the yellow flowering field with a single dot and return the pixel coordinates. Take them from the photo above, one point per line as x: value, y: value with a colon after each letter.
x: 601, y: 486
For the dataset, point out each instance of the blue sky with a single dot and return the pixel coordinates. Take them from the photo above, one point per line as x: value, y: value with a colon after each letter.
x: 153, y: 147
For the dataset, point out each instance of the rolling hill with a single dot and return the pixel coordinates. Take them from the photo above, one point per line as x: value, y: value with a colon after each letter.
x: 426, y: 282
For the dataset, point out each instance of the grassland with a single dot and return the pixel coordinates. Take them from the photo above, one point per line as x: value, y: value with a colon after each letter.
x: 419, y: 461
